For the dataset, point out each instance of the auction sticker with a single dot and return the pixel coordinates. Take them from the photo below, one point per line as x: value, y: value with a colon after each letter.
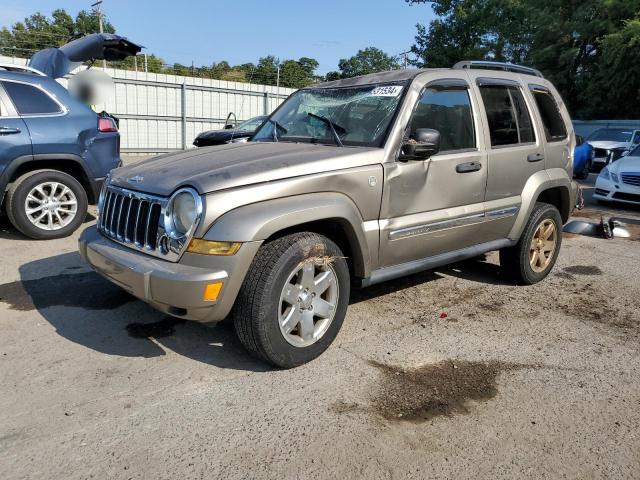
x: 388, y: 91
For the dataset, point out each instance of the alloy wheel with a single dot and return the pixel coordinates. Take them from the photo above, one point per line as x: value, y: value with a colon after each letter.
x: 543, y: 245
x: 51, y: 205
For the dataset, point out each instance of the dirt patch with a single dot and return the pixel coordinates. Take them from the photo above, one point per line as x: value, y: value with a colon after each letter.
x: 160, y: 329
x: 569, y: 235
x: 492, y: 307
x: 341, y: 407
x: 589, y: 213
x: 440, y: 389
x: 583, y: 270
x: 84, y: 290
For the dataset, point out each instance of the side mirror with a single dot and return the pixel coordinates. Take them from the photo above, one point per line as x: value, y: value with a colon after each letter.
x: 579, y: 140
x: 425, y: 144
x: 228, y: 126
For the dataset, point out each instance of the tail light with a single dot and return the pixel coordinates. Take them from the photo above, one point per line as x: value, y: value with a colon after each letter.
x: 106, y: 124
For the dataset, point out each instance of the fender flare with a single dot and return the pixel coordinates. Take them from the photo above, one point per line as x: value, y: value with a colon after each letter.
x: 536, y: 184
x: 17, y: 162
x: 259, y: 221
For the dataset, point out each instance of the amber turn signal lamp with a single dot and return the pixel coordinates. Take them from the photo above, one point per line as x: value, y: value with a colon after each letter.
x: 212, y: 291
x: 208, y: 247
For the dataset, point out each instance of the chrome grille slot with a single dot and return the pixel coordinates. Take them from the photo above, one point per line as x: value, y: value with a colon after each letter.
x: 133, y: 219
x: 631, y: 179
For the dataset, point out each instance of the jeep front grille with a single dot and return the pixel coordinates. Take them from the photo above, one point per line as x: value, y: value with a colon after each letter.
x: 133, y: 219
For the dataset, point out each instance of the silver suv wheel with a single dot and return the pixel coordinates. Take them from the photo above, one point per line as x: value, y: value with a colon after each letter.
x: 308, y: 303
x: 51, y: 206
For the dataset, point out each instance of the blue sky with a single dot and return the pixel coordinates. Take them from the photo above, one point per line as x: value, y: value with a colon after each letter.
x: 241, y: 31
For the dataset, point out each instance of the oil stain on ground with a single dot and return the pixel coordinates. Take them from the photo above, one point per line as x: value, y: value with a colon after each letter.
x: 85, y: 290
x: 583, y: 270
x: 163, y: 328
x: 440, y: 389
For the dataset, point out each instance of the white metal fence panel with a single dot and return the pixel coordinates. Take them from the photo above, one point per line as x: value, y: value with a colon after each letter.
x: 159, y: 113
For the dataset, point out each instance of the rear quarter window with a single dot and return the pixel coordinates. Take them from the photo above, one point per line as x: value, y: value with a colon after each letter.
x: 554, y: 127
x: 30, y: 100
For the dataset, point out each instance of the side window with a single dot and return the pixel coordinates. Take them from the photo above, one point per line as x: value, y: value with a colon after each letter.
x: 636, y: 137
x: 30, y: 100
x: 508, y: 116
x: 554, y: 127
x: 449, y: 112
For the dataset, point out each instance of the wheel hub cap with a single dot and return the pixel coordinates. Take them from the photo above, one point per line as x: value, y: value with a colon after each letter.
x: 51, y: 206
x: 308, y: 303
x: 543, y: 246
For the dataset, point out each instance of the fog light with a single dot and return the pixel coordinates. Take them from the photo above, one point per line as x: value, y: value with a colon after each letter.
x: 212, y: 291
x: 208, y: 247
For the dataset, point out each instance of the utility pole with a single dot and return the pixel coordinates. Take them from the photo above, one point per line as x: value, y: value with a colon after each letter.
x: 145, y: 63
x: 97, y: 8
x: 404, y: 54
x: 278, y: 84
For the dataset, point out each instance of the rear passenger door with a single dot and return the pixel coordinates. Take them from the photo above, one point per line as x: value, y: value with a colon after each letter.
x: 515, y: 153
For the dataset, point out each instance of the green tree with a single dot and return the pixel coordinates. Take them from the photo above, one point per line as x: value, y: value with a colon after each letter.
x: 572, y: 42
x: 38, y: 31
x: 369, y: 60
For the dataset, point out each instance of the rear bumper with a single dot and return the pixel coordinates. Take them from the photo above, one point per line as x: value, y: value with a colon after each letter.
x: 174, y: 288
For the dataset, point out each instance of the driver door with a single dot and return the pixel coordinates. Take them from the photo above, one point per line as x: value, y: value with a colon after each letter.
x: 436, y: 205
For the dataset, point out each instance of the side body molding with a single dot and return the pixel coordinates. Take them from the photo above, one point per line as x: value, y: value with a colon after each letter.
x: 538, y: 183
x: 258, y: 221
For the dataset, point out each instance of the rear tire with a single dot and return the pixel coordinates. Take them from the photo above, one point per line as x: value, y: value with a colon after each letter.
x: 58, y: 197
x: 293, y: 300
x: 535, y: 254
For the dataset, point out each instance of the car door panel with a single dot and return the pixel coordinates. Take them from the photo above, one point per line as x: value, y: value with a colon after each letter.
x: 15, y: 140
x: 435, y: 205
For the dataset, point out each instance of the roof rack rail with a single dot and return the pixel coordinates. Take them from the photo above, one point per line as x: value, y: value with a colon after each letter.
x: 507, y: 67
x: 10, y: 67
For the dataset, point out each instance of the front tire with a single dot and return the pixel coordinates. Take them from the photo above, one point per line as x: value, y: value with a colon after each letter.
x: 46, y: 204
x: 584, y: 173
x: 535, y: 254
x: 293, y: 300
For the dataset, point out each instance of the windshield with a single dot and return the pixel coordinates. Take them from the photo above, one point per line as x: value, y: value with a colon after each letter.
x: 347, y: 116
x: 611, y: 134
x: 251, y: 124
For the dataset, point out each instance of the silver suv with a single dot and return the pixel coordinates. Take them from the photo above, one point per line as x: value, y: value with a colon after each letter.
x: 348, y: 183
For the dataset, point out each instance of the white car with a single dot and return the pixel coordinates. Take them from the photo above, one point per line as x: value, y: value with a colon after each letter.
x: 620, y: 180
x: 610, y: 143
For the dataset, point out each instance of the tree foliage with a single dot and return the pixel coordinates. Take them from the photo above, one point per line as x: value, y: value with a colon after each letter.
x: 588, y: 49
x: 369, y: 60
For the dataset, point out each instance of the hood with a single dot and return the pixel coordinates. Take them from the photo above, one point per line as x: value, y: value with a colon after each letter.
x: 226, y: 166
x: 218, y: 137
x: 57, y: 62
x: 607, y: 144
x: 626, y: 164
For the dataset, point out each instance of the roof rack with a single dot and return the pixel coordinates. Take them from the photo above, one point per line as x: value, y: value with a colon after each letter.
x: 507, y: 67
x: 10, y: 67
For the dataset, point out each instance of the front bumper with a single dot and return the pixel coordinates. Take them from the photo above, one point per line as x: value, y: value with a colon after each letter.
x: 609, y: 190
x: 174, y: 288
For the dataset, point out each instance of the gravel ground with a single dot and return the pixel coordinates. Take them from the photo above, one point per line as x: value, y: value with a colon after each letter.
x: 452, y: 373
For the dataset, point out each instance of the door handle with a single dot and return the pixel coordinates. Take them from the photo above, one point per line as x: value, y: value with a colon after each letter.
x: 535, y: 157
x: 468, y: 167
x: 8, y: 130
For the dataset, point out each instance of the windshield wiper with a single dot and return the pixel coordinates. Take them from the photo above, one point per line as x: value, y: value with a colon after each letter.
x: 276, y: 125
x: 334, y: 127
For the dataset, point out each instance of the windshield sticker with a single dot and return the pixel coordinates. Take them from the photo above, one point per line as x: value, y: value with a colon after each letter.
x: 389, y: 91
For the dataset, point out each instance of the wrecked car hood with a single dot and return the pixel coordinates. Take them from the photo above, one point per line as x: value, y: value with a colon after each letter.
x: 608, y: 144
x: 57, y: 62
x: 209, y: 169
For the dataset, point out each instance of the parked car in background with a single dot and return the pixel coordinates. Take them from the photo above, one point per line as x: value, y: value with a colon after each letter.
x: 55, y: 151
x: 620, y: 181
x: 582, y: 159
x: 610, y: 143
x: 229, y: 133
x: 352, y: 182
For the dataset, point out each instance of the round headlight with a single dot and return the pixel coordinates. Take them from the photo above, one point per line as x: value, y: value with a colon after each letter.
x: 183, y: 211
